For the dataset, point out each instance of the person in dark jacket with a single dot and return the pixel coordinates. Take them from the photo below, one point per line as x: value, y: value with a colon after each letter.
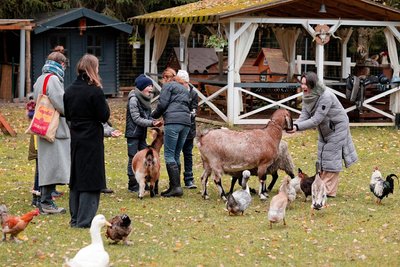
x: 138, y: 111
x: 173, y: 105
x: 322, y: 110
x: 188, y: 146
x: 86, y: 109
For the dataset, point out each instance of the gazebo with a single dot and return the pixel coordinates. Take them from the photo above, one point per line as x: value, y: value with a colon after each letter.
x: 321, y: 19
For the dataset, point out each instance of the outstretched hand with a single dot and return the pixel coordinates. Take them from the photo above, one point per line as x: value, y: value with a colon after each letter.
x: 116, y: 133
x: 158, y: 123
x: 293, y: 130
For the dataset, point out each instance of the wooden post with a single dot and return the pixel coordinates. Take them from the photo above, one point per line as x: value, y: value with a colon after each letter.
x: 5, y: 127
x: 28, y: 62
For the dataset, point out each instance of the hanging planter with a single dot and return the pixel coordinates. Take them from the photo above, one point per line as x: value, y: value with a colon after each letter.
x: 217, y: 42
x: 135, y: 39
x: 136, y: 45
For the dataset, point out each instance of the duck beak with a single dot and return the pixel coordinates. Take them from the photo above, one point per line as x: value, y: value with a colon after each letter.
x: 108, y: 223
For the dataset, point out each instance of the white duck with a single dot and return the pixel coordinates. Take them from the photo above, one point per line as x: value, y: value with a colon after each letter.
x: 94, y: 254
x: 240, y: 200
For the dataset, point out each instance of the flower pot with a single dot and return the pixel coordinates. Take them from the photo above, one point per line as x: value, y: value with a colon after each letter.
x: 136, y: 45
x: 218, y: 49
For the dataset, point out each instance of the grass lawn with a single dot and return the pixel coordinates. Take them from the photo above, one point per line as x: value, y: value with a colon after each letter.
x: 190, y: 231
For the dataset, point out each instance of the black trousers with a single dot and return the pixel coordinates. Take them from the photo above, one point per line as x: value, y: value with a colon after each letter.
x: 83, y: 206
x: 45, y: 193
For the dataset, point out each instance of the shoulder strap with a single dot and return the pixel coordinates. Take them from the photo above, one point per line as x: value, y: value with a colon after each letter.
x: 46, y: 80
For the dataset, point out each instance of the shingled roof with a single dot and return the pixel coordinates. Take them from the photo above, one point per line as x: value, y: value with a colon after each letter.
x: 211, y: 11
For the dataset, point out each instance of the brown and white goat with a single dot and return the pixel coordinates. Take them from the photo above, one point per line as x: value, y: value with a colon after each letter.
x: 146, y: 164
x: 227, y: 151
x: 283, y: 162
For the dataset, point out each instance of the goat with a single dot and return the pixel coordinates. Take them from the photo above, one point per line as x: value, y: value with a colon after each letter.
x: 283, y: 162
x: 146, y: 164
x: 227, y: 151
x: 278, y: 204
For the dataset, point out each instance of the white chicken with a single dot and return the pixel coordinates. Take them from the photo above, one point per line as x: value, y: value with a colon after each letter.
x: 94, y: 254
x: 240, y: 200
x: 295, y: 182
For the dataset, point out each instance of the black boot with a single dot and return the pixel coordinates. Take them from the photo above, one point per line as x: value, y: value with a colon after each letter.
x: 133, y: 186
x: 175, y: 189
x: 35, y: 200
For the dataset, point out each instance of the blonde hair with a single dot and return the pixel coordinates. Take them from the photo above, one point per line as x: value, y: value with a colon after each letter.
x: 168, y: 74
x: 88, y: 65
x: 57, y: 57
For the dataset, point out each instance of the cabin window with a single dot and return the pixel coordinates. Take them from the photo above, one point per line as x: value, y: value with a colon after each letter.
x: 94, y: 46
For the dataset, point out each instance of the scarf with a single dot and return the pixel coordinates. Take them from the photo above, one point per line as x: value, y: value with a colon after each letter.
x: 144, y: 100
x: 53, y: 67
x: 310, y: 101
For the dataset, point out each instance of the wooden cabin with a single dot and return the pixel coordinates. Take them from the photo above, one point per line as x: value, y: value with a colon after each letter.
x: 80, y: 31
x: 271, y: 64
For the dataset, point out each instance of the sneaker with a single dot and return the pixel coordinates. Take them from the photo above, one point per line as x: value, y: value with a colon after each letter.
x: 107, y: 191
x: 51, y: 209
x: 190, y: 185
x: 56, y: 194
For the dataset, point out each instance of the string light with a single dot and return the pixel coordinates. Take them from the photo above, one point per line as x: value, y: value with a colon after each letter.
x: 78, y: 27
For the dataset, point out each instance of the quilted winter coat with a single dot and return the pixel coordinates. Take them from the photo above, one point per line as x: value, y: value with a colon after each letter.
x: 334, y: 142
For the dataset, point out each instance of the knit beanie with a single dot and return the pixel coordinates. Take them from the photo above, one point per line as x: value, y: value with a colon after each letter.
x: 142, y: 82
x: 183, y: 75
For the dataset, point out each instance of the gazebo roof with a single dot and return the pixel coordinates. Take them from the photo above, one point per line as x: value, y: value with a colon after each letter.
x: 212, y: 11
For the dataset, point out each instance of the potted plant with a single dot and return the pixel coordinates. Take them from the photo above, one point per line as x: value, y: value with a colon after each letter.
x: 217, y: 42
x: 135, y: 41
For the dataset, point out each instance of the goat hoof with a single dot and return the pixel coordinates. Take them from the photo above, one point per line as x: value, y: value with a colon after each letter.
x: 206, y: 197
x: 263, y: 197
x: 140, y: 197
x: 224, y: 198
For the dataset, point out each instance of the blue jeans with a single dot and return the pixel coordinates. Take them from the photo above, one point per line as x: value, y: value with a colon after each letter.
x: 188, y: 160
x: 174, y: 138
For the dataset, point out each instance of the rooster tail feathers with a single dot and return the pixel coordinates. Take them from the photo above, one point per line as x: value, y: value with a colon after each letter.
x: 392, y: 175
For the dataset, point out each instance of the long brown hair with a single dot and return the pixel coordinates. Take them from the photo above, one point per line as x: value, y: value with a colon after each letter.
x: 88, y: 65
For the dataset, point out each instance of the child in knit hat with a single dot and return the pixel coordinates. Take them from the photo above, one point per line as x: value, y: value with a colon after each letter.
x: 138, y: 118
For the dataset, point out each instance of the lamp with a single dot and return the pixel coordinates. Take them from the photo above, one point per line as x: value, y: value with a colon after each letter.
x: 322, y: 8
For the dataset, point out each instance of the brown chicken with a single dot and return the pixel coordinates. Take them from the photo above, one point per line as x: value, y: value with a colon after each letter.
x: 305, y: 183
x: 120, y: 229
x: 13, y: 225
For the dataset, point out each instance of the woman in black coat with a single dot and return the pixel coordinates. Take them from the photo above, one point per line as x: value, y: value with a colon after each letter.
x: 86, y: 109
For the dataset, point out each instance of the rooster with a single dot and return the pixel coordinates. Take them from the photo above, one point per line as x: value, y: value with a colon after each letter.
x: 379, y: 187
x: 13, y: 225
x: 120, y: 229
x: 305, y: 183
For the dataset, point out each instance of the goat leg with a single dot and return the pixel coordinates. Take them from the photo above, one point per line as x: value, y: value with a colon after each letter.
x: 217, y: 181
x: 233, y: 182
x: 156, y: 188
x: 204, y: 179
x: 273, y: 181
x: 152, y: 193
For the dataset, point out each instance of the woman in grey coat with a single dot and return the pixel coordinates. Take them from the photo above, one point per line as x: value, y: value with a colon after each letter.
x: 322, y: 110
x: 53, y: 158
